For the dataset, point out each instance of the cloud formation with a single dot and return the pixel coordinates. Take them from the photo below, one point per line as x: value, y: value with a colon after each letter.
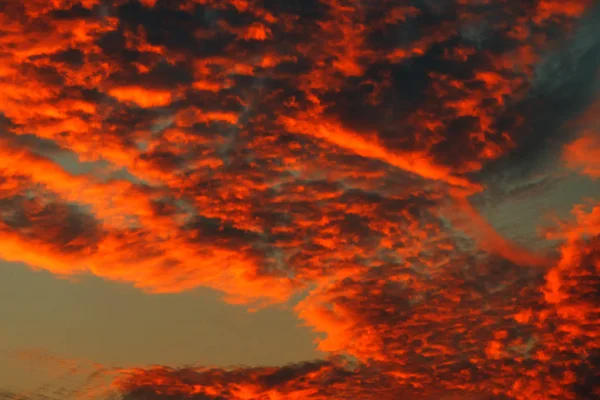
x: 265, y: 148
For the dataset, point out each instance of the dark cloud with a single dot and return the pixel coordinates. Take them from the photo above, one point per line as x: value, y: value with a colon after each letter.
x: 565, y: 86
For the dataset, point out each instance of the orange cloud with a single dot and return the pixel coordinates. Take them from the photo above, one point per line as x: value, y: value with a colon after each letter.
x: 414, y: 162
x: 140, y: 96
x: 583, y: 154
x: 267, y: 149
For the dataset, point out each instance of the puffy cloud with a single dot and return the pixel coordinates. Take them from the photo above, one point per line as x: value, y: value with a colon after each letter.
x: 583, y: 153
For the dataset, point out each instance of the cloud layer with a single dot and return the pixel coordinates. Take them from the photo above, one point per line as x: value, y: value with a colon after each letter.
x: 269, y: 148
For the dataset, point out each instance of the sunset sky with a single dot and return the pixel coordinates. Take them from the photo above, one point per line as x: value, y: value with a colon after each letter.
x: 299, y: 199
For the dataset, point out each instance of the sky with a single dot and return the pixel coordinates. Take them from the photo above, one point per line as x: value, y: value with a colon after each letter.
x: 300, y: 199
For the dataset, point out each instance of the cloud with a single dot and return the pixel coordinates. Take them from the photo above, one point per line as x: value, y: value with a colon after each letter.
x: 482, y: 328
x: 267, y: 149
x: 140, y: 96
x: 564, y: 86
x: 581, y: 154
x: 317, y: 380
